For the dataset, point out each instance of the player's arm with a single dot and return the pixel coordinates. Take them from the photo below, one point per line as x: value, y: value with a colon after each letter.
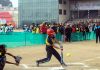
x: 11, y: 55
x: 51, y: 43
x: 58, y: 43
x: 11, y: 63
x: 55, y: 47
x: 17, y: 59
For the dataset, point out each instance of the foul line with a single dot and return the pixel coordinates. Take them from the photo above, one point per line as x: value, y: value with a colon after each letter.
x: 26, y: 66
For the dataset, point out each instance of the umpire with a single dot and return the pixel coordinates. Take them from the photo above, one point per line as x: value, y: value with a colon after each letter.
x: 97, y: 30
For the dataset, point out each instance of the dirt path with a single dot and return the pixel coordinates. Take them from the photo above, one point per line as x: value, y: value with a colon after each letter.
x: 85, y: 55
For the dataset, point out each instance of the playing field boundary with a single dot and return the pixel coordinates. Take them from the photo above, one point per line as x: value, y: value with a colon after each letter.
x: 29, y: 66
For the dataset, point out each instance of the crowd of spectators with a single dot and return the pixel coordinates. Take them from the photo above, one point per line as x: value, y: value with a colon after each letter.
x: 58, y: 27
x: 6, y: 28
x: 64, y: 29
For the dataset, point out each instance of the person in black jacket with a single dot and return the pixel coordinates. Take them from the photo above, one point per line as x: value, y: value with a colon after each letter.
x: 97, y: 30
x: 62, y: 32
x: 68, y: 31
x: 54, y: 27
x: 87, y: 31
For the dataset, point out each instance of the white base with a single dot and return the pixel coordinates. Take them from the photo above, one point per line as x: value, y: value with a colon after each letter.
x: 57, y: 68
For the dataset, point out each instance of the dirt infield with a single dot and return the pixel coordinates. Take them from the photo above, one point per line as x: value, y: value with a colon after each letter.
x: 85, y: 55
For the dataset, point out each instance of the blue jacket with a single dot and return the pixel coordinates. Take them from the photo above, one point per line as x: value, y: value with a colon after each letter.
x: 97, y: 29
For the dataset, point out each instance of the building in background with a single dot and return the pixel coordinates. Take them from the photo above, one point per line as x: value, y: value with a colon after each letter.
x: 10, y: 15
x: 85, y: 9
x: 35, y: 11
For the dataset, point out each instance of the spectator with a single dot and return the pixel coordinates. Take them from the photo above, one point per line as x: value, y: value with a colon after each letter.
x: 6, y: 28
x: 34, y: 29
x: 43, y: 28
x: 84, y: 33
x: 54, y: 27
x: 68, y: 31
x: 62, y: 32
x: 97, y: 30
x: 37, y: 28
x: 3, y: 28
x: 77, y: 29
x: 31, y: 28
x: 26, y: 28
x: 90, y: 27
x: 73, y: 29
x: 93, y: 27
x: 10, y: 28
x: 87, y: 32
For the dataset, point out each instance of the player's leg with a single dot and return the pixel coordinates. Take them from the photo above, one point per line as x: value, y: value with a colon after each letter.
x: 47, y: 59
x: 56, y: 54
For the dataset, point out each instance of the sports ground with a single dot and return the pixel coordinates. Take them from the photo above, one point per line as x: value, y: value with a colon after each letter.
x: 85, y: 55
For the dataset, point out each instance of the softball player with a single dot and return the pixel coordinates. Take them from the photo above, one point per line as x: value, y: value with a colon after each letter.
x: 50, y: 48
x: 3, y: 53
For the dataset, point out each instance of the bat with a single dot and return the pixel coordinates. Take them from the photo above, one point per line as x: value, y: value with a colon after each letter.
x: 61, y: 54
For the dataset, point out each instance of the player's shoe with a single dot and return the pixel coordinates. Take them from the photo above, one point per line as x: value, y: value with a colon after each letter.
x: 63, y: 64
x: 18, y: 59
x: 37, y: 63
